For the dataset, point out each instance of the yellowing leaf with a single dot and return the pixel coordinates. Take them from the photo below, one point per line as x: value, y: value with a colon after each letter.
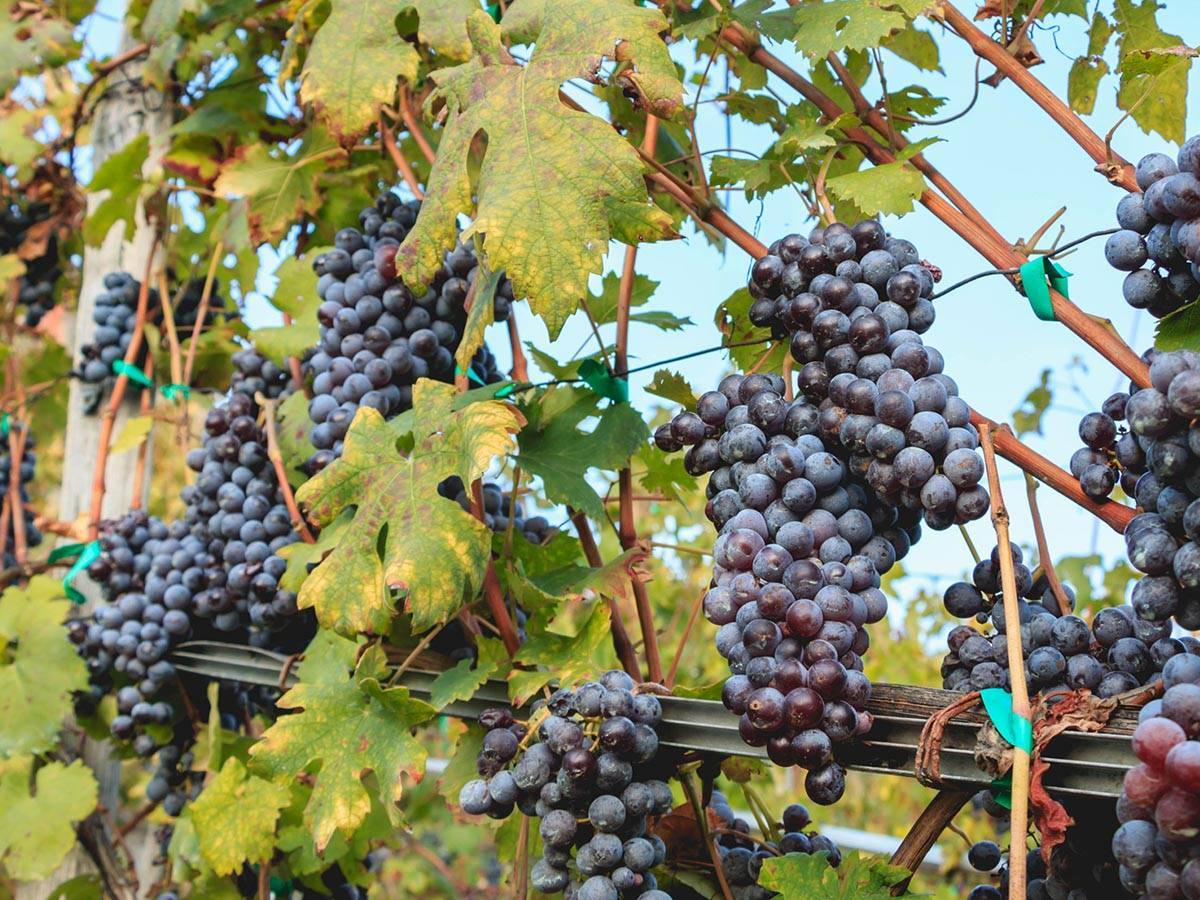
x: 481, y: 314
x: 443, y: 25
x: 555, y: 184
x: 350, y: 728
x: 133, y: 434
x: 235, y: 818
x: 353, y: 64
x: 30, y: 43
x: 39, y: 667
x: 405, y: 535
x: 36, y: 831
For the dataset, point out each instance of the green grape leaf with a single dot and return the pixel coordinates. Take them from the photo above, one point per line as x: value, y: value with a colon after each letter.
x: 36, y: 830
x: 403, y: 533
x: 1180, y: 330
x: 858, y: 877
x: 353, y: 64
x: 443, y: 25
x: 554, y: 448
x: 296, y: 295
x: 235, y: 818
x: 915, y: 46
x: 481, y: 314
x: 1100, y: 32
x: 350, y: 728
x: 831, y: 25
x: 133, y: 434
x: 603, y: 306
x: 463, y: 680
x: 39, y: 668
x: 121, y: 177
x: 568, y: 657
x: 1154, y: 85
x: 552, y: 588
x: 30, y: 43
x: 1028, y: 416
x: 81, y: 887
x: 672, y: 386
x: 889, y: 189
x: 554, y: 184
x: 328, y: 658
x: 16, y: 138
x: 664, y: 473
x: 279, y: 188
x: 292, y: 426
x: 733, y: 321
x: 1083, y: 83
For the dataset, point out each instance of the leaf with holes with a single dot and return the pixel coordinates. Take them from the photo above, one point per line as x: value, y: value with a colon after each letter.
x: 555, y: 185
x: 235, y: 818
x: 404, y: 535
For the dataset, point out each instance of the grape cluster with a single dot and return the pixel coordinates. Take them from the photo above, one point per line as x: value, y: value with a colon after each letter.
x: 36, y: 291
x: 28, y: 469
x: 1118, y: 652
x: 1111, y: 454
x: 742, y: 858
x: 115, y: 315
x: 855, y: 303
x: 1160, y: 801
x: 498, y: 509
x: 589, y: 778
x: 377, y: 338
x: 1159, y: 241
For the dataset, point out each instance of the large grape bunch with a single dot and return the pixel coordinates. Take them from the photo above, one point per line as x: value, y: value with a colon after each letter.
x: 28, y: 469
x: 36, y: 292
x: 742, y: 857
x: 854, y: 303
x: 377, y: 338
x: 1118, y: 652
x: 1160, y: 800
x: 1159, y: 241
x: 589, y: 774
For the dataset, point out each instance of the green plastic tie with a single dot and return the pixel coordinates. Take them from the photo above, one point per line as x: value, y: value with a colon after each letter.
x: 88, y: 554
x: 175, y: 391
x: 280, y: 886
x: 1015, y: 729
x: 1038, y: 276
x: 133, y: 373
x: 4, y: 418
x: 596, y: 376
x: 494, y: 11
x: 505, y: 390
x: 1002, y: 791
x: 472, y: 375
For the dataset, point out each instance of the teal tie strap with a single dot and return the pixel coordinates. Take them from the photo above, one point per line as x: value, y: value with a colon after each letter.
x: 596, y: 376
x: 88, y: 553
x: 1038, y: 276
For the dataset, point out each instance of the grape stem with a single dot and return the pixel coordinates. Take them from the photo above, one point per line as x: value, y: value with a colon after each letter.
x: 520, y: 367
x: 492, y: 592
x: 925, y: 831
x: 145, y: 407
x: 686, y: 779
x: 683, y: 639
x: 403, y: 166
x: 1019, y: 821
x: 622, y: 645
x: 414, y: 127
x: 522, y: 860
x: 285, y: 488
x: 1060, y: 595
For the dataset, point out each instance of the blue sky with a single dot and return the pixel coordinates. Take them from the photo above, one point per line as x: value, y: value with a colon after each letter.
x: 1017, y: 167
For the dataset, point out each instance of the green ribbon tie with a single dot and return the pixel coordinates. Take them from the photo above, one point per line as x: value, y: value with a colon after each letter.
x: 1015, y: 729
x: 1002, y: 791
x: 494, y: 11
x: 596, y: 376
x: 175, y: 391
x: 505, y: 390
x: 1038, y: 276
x: 88, y: 553
x: 4, y: 424
x: 133, y: 373
x: 280, y: 886
x: 472, y: 375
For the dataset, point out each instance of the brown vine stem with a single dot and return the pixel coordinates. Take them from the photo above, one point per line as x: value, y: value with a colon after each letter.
x: 928, y: 827
x: 398, y: 158
x: 620, y: 636
x: 520, y: 367
x: 1039, y: 530
x: 285, y: 487
x: 145, y: 407
x: 202, y: 311
x: 521, y: 875
x: 683, y: 640
x: 1016, y: 669
x: 118, y: 395
x: 264, y: 880
x: 1112, y: 166
x: 492, y: 592
x: 414, y: 127
x: 628, y: 530
x: 689, y: 788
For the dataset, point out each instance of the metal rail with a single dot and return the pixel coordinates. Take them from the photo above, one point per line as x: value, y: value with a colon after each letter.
x: 1088, y: 764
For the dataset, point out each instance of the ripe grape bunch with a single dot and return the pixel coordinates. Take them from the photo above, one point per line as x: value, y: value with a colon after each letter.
x: 36, y: 292
x: 1159, y: 241
x: 1160, y: 801
x: 855, y: 303
x: 742, y: 857
x: 588, y: 773
x: 377, y: 338
x: 1118, y: 652
x: 28, y: 469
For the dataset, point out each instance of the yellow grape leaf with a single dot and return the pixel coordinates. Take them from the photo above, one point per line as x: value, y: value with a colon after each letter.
x: 443, y: 25
x: 36, y: 830
x: 133, y: 434
x: 235, y: 818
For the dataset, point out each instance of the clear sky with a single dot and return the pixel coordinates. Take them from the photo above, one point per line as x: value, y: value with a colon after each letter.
x: 1017, y: 167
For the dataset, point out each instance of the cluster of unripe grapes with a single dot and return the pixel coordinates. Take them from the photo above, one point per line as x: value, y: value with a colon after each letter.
x: 1159, y: 241
x: 587, y: 772
x: 377, y: 337
x: 28, y: 469
x: 36, y: 292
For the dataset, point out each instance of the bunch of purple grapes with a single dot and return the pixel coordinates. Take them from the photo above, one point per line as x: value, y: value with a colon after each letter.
x: 591, y: 778
x: 377, y: 338
x: 36, y: 292
x: 854, y: 303
x: 1159, y: 241
x: 742, y: 857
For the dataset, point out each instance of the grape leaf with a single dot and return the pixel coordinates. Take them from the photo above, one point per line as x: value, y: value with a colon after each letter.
x: 292, y: 426
x: 133, y: 434
x: 121, y: 177
x: 39, y: 667
x: 353, y: 64
x: 279, y: 187
x: 733, y: 320
x: 1180, y: 330
x: 554, y: 448
x: 296, y: 295
x: 915, y: 46
x: 825, y: 25
x: 30, y: 43
x: 603, y: 306
x: 889, y: 189
x: 672, y: 386
x: 329, y: 658
x: 403, y: 533
x: 555, y: 184
x: 1028, y: 416
x: 235, y: 818
x: 1083, y: 83
x: 36, y: 830
x: 1153, y: 86
x: 481, y: 314
x: 462, y: 681
x: 443, y: 25
x: 351, y: 728
x: 566, y: 658
x: 664, y: 473
x: 858, y: 877
x: 16, y: 138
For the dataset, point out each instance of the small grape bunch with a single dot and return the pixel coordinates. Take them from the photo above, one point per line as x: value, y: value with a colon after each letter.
x: 584, y: 769
x: 742, y: 857
x: 1111, y: 454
